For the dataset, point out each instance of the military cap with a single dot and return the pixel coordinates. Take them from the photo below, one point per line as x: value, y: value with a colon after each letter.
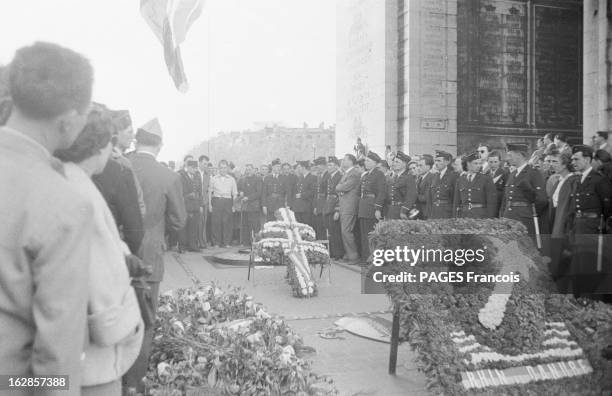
x: 320, y: 161
x: 403, y: 157
x: 333, y: 160
x: 471, y: 157
x: 586, y: 151
x: 374, y: 157
x: 444, y: 154
x: 276, y: 161
x: 150, y: 131
x: 518, y: 147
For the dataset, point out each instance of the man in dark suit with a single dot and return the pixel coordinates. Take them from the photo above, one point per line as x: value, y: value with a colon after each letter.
x: 372, y: 198
x: 250, y: 189
x: 591, y: 208
x: 401, y: 189
x: 443, y: 187
x: 304, y: 193
x: 475, y: 195
x: 524, y: 194
x: 274, y: 193
x: 499, y: 174
x: 163, y: 194
x: 289, y: 181
x: 320, y: 196
x: 332, y: 224
x: 424, y: 182
x: 348, y: 201
x: 192, y: 193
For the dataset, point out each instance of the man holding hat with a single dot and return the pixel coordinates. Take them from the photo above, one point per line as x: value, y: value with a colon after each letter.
x: 320, y: 196
x: 304, y: 193
x: 401, y: 189
x: 475, y: 194
x: 332, y: 222
x: 372, y: 195
x: 163, y: 195
x: 274, y: 193
x: 590, y: 211
x: 443, y: 187
x: 525, y: 195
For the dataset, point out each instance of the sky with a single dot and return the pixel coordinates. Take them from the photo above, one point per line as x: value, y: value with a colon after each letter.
x: 246, y: 61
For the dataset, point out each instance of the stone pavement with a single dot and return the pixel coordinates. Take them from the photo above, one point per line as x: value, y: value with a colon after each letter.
x: 357, y: 365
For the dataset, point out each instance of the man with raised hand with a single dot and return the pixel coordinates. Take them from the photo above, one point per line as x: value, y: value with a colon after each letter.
x: 46, y: 226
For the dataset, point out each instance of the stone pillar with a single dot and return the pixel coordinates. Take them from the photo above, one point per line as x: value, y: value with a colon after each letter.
x: 366, y: 64
x: 597, y: 38
x: 430, y: 75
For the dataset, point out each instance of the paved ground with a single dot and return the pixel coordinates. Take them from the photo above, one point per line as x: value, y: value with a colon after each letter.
x: 357, y: 365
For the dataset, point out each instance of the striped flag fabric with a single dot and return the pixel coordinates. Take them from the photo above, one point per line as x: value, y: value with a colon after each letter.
x: 170, y: 21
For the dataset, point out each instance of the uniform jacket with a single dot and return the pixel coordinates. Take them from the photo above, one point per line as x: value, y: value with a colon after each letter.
x: 372, y: 193
x: 274, y: 192
x: 423, y: 191
x: 163, y: 193
x: 251, y: 187
x: 46, y: 233
x: 118, y: 156
x: 117, y: 186
x: 348, y: 192
x: 305, y: 186
x: 442, y: 193
x: 192, y: 190
x: 528, y: 187
x: 594, y: 195
x: 331, y: 195
x: 401, y: 193
x: 321, y: 192
x: 480, y: 191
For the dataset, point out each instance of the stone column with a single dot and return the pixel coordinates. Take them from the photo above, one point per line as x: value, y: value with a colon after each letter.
x: 597, y: 59
x: 430, y: 75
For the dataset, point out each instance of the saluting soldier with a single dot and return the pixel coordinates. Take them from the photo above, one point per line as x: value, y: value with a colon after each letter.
x: 443, y: 187
x: 332, y: 204
x: 590, y: 208
x: 475, y: 194
x: 401, y: 189
x: 372, y: 199
x: 250, y: 189
x: 304, y: 193
x: 274, y: 194
x: 320, y: 196
x: 524, y: 193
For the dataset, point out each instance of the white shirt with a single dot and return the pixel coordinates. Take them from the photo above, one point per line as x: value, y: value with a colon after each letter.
x: 442, y: 172
x: 555, y: 196
x: 585, y: 174
x: 520, y: 168
x: 223, y: 186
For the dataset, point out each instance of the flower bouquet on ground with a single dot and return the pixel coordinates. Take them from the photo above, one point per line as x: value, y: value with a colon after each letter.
x: 221, y: 341
x: 288, y: 242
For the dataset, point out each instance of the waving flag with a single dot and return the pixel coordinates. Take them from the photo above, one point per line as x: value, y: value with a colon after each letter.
x: 170, y: 20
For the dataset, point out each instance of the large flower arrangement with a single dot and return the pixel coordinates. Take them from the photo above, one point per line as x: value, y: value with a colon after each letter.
x: 291, y: 243
x: 465, y: 329
x: 221, y: 341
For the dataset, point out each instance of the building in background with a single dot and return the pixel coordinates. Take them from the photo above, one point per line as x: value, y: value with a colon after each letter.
x: 273, y: 141
x: 421, y: 75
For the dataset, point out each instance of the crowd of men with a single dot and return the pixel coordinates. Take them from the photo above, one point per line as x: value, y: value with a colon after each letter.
x: 558, y: 192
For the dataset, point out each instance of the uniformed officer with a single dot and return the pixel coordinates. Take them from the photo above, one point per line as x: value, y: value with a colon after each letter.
x: 401, y: 189
x: 274, y: 194
x: 475, y: 194
x: 304, y: 193
x: 524, y: 195
x: 443, y: 187
x: 372, y: 198
x: 320, y: 196
x: 590, y: 207
x: 250, y: 189
x: 332, y: 204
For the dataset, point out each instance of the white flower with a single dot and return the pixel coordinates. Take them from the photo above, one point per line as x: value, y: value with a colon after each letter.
x: 163, y: 370
x: 206, y: 306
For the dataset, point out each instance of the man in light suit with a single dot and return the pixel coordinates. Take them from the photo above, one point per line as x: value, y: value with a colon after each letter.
x: 46, y: 226
x: 163, y: 194
x: 348, y: 193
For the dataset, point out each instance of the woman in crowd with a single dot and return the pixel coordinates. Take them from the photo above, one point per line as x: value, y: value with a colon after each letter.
x: 114, y: 323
